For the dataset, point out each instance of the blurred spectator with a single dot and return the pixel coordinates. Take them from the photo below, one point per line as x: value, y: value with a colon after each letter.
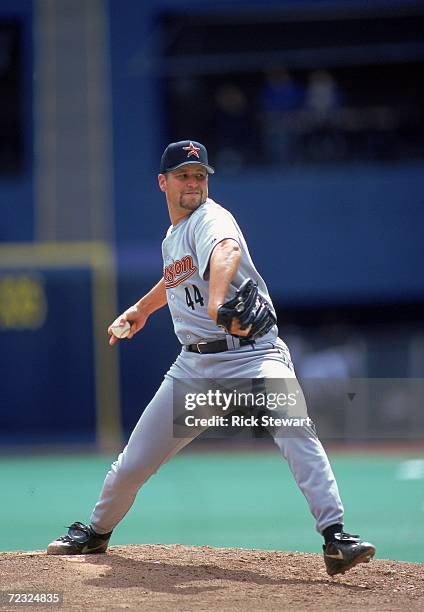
x: 280, y: 100
x: 323, y: 96
x: 233, y: 136
x: 281, y: 92
x: 323, y: 140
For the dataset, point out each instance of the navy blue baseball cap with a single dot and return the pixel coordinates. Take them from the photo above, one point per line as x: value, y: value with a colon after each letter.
x: 184, y: 152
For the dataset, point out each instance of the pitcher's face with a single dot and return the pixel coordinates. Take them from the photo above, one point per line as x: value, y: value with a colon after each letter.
x: 186, y: 188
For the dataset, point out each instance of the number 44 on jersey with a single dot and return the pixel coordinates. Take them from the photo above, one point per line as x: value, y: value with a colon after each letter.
x: 198, y: 299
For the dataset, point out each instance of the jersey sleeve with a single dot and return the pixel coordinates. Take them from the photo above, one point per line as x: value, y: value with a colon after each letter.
x: 213, y: 227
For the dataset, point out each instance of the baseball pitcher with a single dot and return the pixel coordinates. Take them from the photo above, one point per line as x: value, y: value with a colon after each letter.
x: 224, y: 319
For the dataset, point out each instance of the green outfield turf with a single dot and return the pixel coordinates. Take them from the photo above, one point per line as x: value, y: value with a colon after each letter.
x: 224, y: 500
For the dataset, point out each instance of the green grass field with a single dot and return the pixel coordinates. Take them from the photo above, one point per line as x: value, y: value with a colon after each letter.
x: 217, y: 499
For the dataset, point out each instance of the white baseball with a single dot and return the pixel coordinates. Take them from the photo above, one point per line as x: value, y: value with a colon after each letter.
x: 120, y: 328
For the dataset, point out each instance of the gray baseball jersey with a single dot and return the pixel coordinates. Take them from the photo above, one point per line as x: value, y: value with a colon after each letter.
x: 186, y: 251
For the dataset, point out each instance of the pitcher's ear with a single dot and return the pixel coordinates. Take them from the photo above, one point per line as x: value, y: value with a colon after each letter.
x: 162, y: 182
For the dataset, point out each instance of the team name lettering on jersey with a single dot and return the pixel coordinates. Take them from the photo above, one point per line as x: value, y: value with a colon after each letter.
x: 178, y: 271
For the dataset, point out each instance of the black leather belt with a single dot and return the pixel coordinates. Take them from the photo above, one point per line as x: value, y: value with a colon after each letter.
x: 217, y: 346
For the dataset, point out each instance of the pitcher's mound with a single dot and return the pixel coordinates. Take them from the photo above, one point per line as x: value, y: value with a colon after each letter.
x: 158, y: 577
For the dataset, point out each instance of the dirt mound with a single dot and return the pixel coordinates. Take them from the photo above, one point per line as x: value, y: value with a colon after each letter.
x: 158, y: 577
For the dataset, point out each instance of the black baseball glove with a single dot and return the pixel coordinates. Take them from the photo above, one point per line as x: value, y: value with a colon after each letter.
x: 250, y: 308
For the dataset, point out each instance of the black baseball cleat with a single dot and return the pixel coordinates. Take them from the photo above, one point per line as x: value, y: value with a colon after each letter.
x: 346, y: 551
x: 80, y: 540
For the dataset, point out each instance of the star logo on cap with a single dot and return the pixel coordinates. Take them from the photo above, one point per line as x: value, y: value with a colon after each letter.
x: 192, y: 150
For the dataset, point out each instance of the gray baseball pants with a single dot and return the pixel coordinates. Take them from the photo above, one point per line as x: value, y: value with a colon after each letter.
x: 152, y: 442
